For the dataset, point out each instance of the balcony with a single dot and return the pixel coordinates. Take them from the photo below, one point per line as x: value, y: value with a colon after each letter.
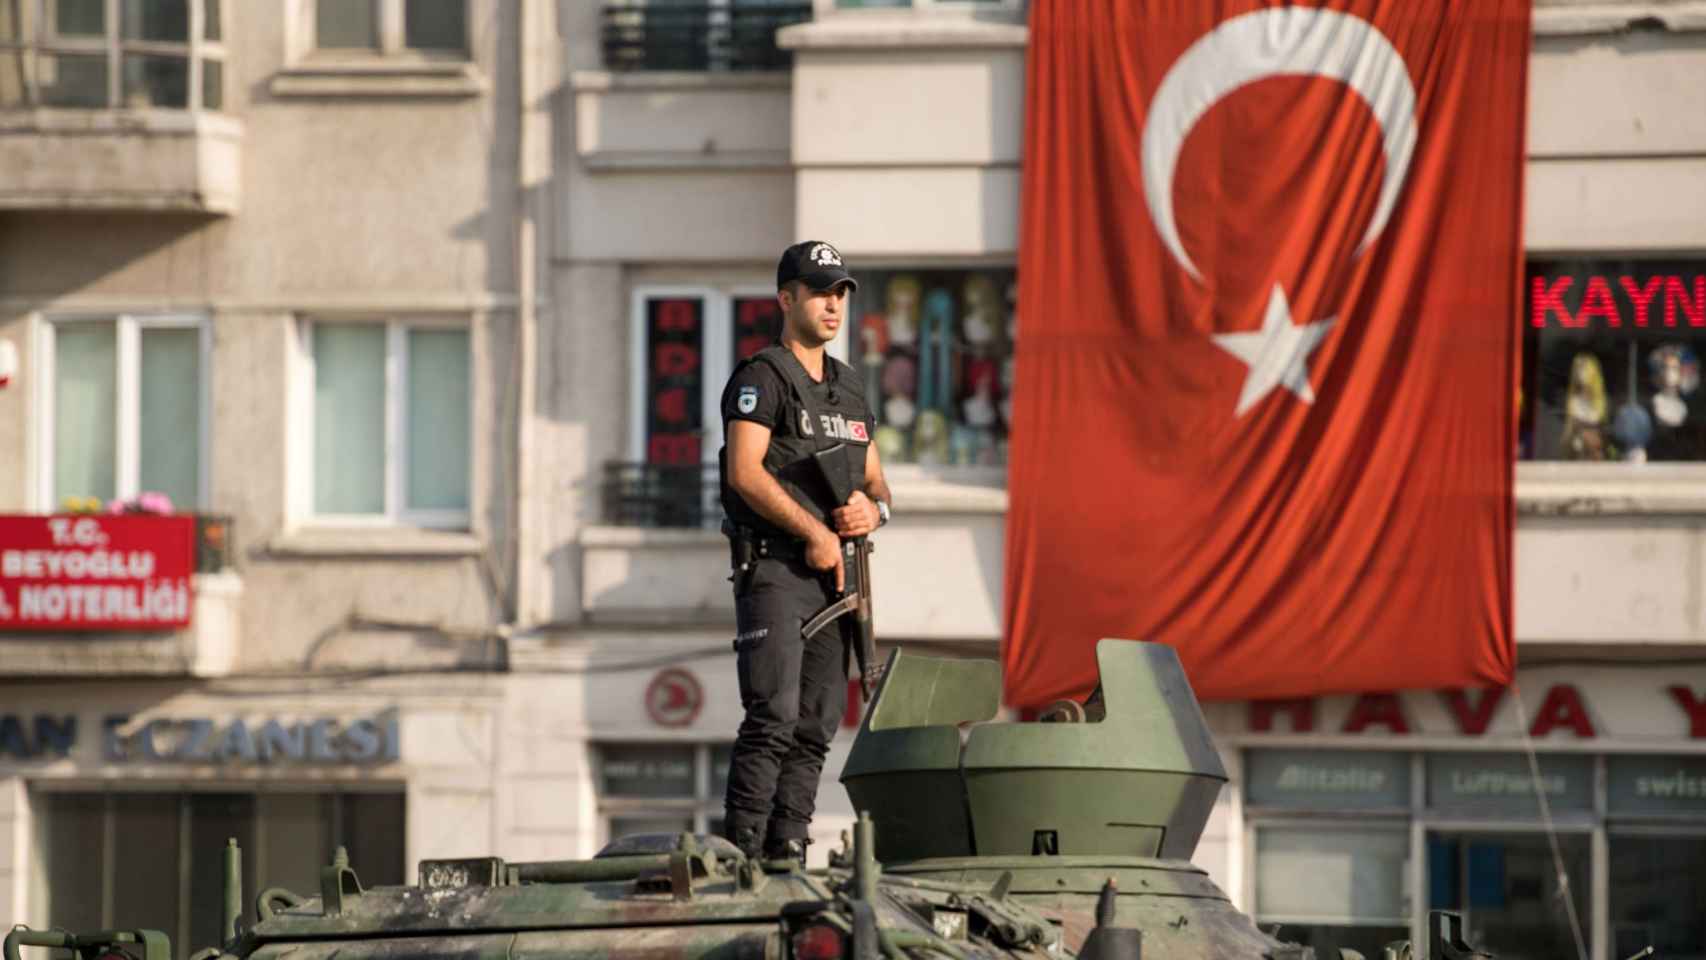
x: 115, y: 108
x: 207, y: 647
x: 733, y: 36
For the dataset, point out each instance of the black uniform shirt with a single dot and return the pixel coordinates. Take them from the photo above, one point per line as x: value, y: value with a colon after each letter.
x: 757, y: 393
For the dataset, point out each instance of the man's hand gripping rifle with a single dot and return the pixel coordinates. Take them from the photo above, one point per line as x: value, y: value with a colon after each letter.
x: 855, y: 599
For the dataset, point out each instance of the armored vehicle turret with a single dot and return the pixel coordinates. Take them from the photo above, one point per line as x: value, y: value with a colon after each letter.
x: 976, y: 840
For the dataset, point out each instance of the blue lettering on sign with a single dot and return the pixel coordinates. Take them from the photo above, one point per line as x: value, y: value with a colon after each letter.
x: 42, y: 736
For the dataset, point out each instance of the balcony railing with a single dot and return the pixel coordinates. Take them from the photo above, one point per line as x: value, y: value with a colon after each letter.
x: 654, y: 495
x: 212, y: 543
x: 705, y: 36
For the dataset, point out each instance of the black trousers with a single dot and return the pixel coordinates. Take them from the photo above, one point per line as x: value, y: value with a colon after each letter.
x: 794, y: 692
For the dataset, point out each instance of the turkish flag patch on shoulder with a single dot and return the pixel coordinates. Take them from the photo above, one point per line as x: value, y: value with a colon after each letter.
x: 856, y: 430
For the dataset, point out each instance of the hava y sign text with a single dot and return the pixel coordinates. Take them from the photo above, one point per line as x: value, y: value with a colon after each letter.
x: 1562, y: 708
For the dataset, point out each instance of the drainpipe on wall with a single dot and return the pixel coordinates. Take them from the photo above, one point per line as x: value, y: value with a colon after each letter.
x: 533, y: 171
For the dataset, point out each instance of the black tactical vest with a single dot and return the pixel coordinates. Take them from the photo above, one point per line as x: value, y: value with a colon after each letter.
x: 838, y: 401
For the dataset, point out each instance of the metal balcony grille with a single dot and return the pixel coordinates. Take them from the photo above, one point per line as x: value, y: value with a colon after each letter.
x: 702, y: 35
x: 655, y: 495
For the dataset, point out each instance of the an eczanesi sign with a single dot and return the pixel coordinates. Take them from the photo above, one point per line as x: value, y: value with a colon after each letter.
x: 229, y: 740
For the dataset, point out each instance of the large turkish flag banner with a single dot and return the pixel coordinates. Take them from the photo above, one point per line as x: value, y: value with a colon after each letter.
x: 1270, y: 267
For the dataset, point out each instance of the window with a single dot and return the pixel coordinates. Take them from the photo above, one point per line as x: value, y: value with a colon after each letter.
x: 1332, y: 886
x: 1658, y: 883
x: 129, y: 859
x: 76, y: 54
x: 1507, y: 888
x: 717, y: 35
x: 391, y: 421
x: 935, y: 348
x: 661, y: 788
x: 123, y: 401
x: 1351, y: 848
x: 686, y: 340
x: 1611, y: 361
x: 389, y: 27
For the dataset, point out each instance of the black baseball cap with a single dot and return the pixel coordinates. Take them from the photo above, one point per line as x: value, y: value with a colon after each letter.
x: 816, y: 264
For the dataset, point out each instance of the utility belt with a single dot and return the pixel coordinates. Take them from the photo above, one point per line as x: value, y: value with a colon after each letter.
x: 747, y: 546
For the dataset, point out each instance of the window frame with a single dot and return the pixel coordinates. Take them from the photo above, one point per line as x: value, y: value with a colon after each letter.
x: 702, y: 806
x: 114, y: 47
x: 390, y: 19
x: 717, y: 355
x: 127, y: 460
x: 396, y: 373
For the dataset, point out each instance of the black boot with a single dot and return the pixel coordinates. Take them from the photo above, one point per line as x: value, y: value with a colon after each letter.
x: 779, y: 849
x: 749, y: 838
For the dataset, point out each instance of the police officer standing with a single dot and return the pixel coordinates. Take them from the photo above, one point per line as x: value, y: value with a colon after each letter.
x: 781, y: 407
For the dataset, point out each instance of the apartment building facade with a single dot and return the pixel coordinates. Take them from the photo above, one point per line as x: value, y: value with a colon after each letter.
x: 563, y: 227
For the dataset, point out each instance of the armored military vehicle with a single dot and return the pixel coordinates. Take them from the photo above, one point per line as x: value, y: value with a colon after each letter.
x: 1068, y: 838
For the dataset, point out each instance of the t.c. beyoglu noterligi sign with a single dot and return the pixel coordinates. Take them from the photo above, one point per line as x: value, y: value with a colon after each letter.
x: 116, y: 572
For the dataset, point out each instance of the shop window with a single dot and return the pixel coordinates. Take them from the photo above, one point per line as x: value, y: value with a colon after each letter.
x: 1334, y: 887
x: 1611, y: 361
x: 1507, y: 887
x: 661, y: 788
x: 391, y: 413
x: 73, y: 54
x: 1658, y: 889
x: 935, y: 350
x: 391, y: 26
x: 126, y: 860
x: 124, y: 408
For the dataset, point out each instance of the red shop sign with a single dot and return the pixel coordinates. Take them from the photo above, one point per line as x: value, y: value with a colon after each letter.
x: 121, y: 572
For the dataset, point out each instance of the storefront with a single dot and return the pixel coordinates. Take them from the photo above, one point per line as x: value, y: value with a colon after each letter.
x: 120, y: 796
x: 1611, y: 360
x: 1360, y: 814
x: 658, y: 739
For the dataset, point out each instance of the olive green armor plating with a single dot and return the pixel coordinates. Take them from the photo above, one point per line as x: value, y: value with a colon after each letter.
x: 976, y: 839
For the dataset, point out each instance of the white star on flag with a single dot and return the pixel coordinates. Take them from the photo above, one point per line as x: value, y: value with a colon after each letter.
x: 1277, y: 354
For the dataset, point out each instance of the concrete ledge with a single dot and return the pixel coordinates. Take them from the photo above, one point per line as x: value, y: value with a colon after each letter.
x: 379, y: 542
x: 125, y: 160
x: 581, y: 81
x: 902, y: 29
x: 636, y: 161
x: 1582, y: 489
x: 378, y: 78
x: 207, y: 648
x: 1576, y: 19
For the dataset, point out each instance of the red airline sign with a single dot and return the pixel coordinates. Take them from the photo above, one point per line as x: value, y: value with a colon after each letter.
x: 1562, y: 708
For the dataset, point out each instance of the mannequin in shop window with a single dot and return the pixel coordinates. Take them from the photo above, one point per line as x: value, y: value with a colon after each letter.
x: 1675, y: 374
x: 1585, y: 411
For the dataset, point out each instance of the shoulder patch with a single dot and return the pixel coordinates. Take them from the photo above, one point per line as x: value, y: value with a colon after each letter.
x: 747, y: 400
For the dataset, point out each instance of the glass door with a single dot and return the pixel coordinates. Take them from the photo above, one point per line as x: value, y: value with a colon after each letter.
x: 1507, y: 886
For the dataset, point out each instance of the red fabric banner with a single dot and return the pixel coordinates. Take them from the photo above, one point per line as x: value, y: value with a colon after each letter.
x: 108, y: 572
x: 1270, y: 268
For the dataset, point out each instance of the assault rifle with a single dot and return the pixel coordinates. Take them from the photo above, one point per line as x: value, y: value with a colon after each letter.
x: 855, y: 598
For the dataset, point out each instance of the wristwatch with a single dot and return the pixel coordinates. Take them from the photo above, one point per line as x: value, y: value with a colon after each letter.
x: 882, y: 512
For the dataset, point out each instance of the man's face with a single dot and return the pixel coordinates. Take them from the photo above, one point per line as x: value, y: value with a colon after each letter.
x: 813, y: 316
